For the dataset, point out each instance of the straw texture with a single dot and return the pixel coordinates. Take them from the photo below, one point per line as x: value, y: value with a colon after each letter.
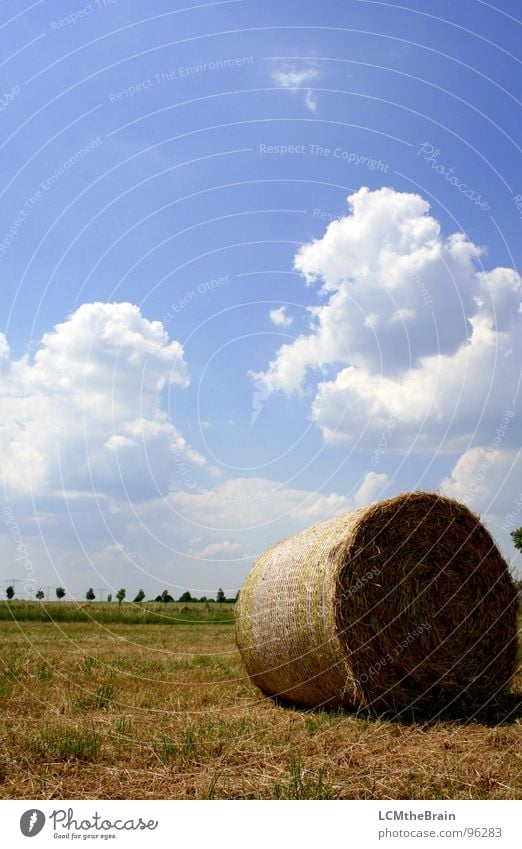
x: 406, y: 603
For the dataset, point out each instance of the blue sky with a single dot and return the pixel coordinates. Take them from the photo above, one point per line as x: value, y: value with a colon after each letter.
x: 258, y: 266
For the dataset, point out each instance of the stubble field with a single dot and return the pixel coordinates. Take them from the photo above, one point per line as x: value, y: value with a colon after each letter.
x: 135, y: 711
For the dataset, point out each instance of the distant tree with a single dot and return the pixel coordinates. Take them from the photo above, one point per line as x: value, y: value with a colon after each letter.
x: 40, y: 595
x: 516, y: 536
x: 120, y: 595
x: 10, y: 592
x: 60, y: 592
x: 186, y: 597
x: 109, y: 597
x: 90, y: 595
x: 140, y: 596
x: 203, y: 599
x: 166, y: 597
x: 220, y: 597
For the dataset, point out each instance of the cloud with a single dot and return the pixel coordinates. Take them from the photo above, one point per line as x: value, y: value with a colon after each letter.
x: 86, y: 414
x: 219, y: 551
x: 243, y: 503
x: 231, y: 523
x: 295, y: 79
x: 311, y: 100
x: 487, y: 480
x: 443, y: 404
x: 280, y: 318
x: 236, y: 520
x: 413, y: 328
x: 371, y: 489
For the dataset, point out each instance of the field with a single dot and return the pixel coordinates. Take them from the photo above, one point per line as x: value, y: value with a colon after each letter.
x: 117, y: 709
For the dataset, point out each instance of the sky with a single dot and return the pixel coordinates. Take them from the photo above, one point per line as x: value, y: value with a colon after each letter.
x: 258, y: 267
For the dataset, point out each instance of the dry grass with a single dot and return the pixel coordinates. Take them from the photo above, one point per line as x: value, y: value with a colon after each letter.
x: 151, y: 711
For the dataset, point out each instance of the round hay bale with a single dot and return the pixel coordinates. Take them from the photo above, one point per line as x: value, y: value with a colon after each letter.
x: 406, y: 603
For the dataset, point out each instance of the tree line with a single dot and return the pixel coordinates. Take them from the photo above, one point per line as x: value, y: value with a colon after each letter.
x: 121, y: 595
x: 186, y: 597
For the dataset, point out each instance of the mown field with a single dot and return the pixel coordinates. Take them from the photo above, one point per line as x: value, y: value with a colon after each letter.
x: 119, y: 709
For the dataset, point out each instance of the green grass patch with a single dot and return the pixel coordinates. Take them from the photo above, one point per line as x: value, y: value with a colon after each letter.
x: 65, y: 744
x: 105, y: 613
x: 303, y: 783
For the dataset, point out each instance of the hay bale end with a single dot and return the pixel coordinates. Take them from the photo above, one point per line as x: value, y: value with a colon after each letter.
x: 406, y: 603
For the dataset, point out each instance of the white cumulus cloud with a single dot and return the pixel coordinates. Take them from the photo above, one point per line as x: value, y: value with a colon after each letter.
x: 86, y: 413
x: 414, y: 328
x: 371, y: 488
x: 280, y: 318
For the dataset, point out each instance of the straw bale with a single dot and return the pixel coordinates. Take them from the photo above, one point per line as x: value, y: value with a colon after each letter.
x: 406, y: 603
